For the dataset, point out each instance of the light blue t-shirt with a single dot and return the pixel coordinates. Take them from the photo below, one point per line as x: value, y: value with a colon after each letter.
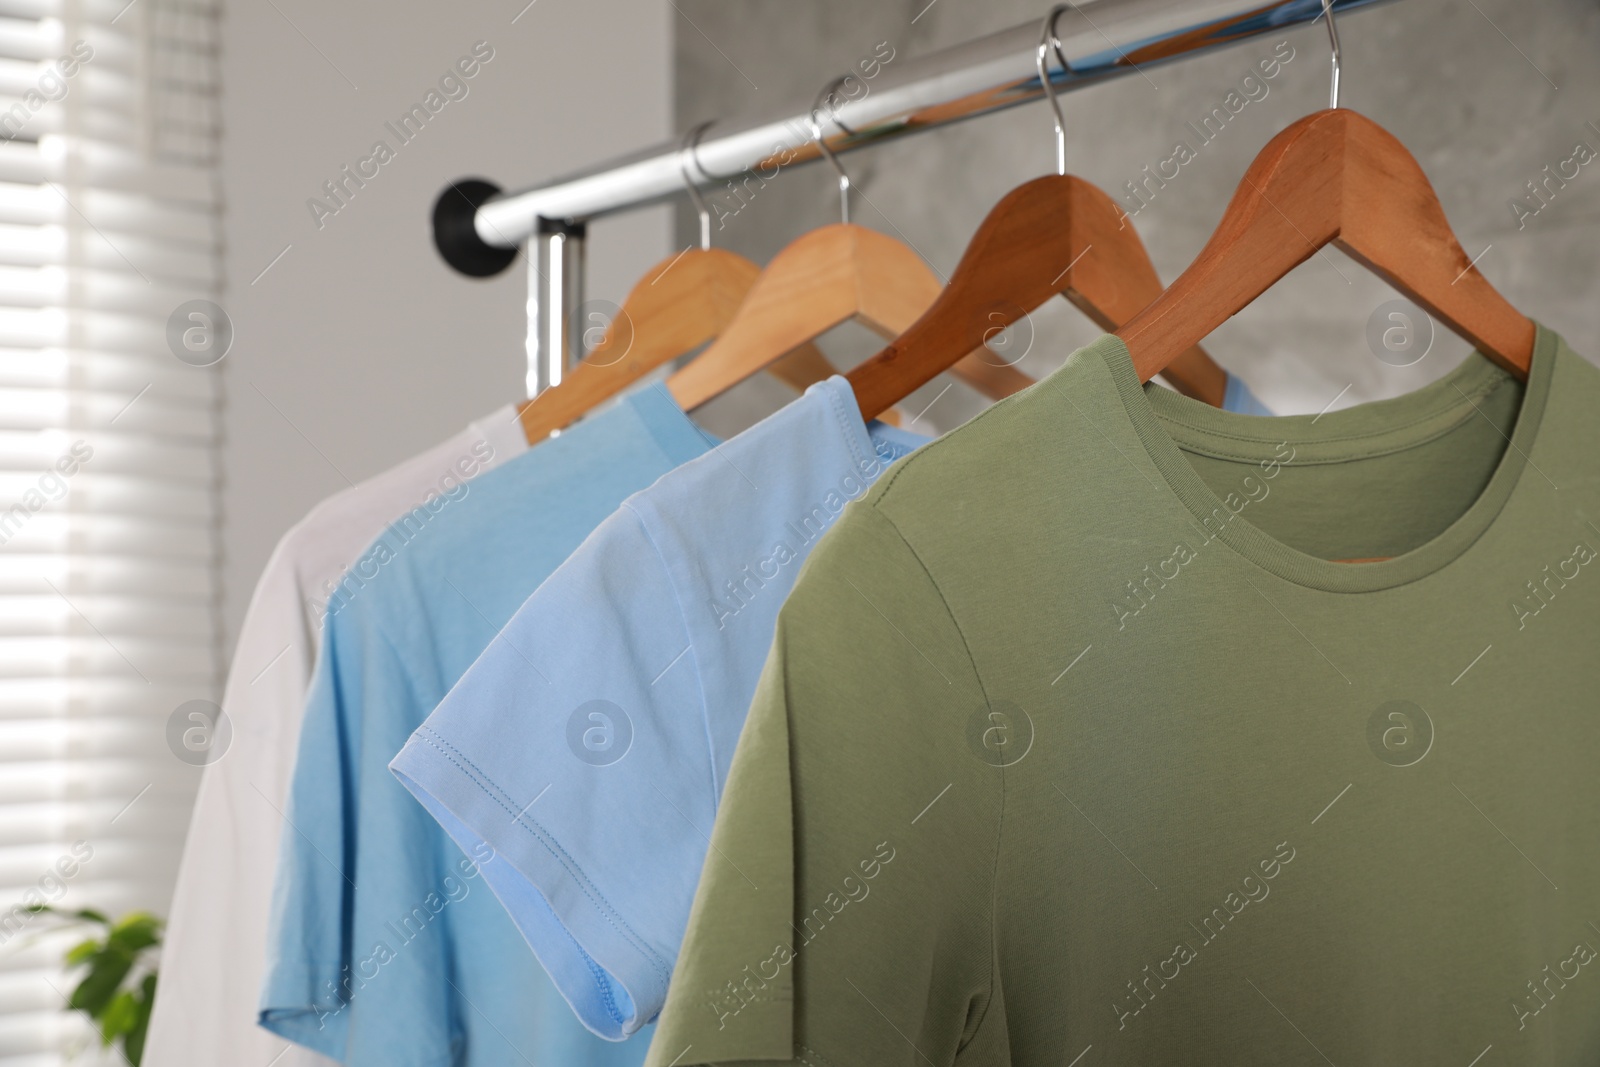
x: 385, y: 946
x: 1238, y: 399
x: 588, y: 746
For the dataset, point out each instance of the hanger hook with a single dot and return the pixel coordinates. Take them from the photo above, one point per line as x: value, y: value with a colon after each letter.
x: 686, y: 154
x: 822, y: 145
x: 1047, y: 40
x: 1333, y: 42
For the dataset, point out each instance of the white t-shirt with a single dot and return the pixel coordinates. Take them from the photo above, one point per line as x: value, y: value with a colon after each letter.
x: 214, y: 953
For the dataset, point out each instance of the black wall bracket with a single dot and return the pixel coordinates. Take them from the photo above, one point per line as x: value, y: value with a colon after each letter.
x: 455, y: 236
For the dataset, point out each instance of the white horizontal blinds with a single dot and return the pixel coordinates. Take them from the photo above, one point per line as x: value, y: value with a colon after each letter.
x: 108, y: 222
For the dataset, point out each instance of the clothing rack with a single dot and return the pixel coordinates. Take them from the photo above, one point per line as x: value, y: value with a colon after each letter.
x: 479, y: 229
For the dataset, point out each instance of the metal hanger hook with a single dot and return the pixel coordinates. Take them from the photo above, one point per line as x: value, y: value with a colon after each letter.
x: 822, y: 144
x: 686, y: 154
x: 1333, y: 43
x: 1048, y: 40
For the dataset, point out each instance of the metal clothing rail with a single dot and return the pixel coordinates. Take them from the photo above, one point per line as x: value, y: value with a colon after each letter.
x: 478, y: 229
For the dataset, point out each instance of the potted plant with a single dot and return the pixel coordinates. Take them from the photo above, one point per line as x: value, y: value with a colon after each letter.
x: 118, y: 986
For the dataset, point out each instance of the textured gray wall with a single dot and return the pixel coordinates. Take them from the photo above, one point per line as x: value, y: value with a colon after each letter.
x: 1484, y: 93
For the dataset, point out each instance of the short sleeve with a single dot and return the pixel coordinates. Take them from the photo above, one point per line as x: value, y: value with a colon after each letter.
x: 844, y: 911
x: 576, y: 747
x: 355, y: 856
x: 212, y: 958
x: 301, y: 998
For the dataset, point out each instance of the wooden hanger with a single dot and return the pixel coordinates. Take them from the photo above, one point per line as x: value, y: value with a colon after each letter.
x: 661, y: 320
x: 833, y: 274
x: 1334, y: 177
x: 1054, y: 235
x: 679, y: 305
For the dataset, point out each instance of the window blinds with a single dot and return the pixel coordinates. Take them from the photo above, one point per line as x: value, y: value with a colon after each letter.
x: 108, y: 477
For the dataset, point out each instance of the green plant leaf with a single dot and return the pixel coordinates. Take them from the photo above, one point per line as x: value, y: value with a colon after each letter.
x: 133, y: 1042
x: 135, y: 931
x: 82, y: 951
x: 107, y: 969
x: 118, y: 1013
x: 118, y: 1018
x: 86, y: 914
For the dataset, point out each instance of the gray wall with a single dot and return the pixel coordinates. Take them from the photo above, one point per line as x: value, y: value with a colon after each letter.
x: 359, y: 347
x: 1464, y: 86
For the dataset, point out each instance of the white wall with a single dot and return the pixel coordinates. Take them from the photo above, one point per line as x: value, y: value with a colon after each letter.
x: 359, y: 347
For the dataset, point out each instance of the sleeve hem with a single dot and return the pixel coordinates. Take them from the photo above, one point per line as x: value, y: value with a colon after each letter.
x: 612, y: 978
x: 291, y: 1009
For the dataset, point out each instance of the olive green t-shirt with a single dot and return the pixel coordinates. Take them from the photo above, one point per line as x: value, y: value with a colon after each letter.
x: 1077, y: 745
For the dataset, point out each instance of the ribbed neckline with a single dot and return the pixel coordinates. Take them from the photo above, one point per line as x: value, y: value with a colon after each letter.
x: 1168, y: 424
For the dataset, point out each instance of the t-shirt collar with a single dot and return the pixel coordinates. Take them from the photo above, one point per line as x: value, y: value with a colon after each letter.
x: 1158, y: 416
